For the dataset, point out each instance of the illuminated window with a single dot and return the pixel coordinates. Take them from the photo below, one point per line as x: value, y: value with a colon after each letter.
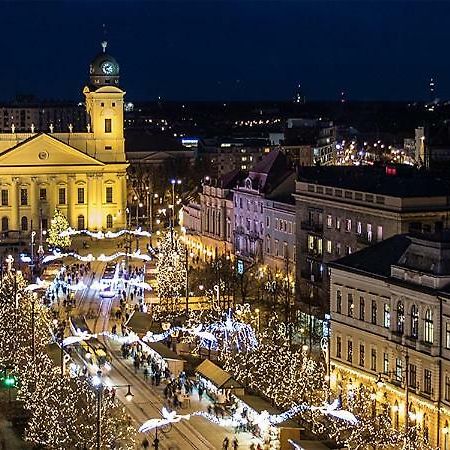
x: 387, y: 316
x: 400, y: 318
x: 428, y: 322
x: 108, y: 125
x: 414, y: 322
x: 109, y: 194
x: 350, y: 305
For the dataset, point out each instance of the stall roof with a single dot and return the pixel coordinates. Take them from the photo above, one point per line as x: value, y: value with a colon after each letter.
x: 140, y: 322
x: 310, y: 445
x: 217, y: 376
x: 164, y: 351
x: 259, y: 405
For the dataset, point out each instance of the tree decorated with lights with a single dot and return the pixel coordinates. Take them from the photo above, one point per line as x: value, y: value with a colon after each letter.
x: 171, y: 267
x: 58, y: 224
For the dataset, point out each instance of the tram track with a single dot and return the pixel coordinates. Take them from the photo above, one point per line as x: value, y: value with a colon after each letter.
x: 152, y: 404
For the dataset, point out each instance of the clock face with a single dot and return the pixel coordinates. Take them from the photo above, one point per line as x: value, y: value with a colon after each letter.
x: 107, y: 68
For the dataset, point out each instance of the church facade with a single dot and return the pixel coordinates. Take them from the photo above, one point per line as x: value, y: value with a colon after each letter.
x: 83, y: 174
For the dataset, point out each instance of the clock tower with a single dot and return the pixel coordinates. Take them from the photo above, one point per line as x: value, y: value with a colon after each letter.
x: 104, y: 105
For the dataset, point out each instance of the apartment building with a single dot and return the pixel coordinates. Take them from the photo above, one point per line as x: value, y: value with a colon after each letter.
x: 340, y: 210
x: 390, y: 330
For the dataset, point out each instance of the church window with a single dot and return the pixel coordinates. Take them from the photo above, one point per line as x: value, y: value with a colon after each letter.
x: 113, y: 104
x: 24, y: 223
x: 62, y: 196
x: 109, y: 221
x: 43, y: 194
x: 81, y: 195
x: 24, y: 197
x: 108, y: 125
x: 5, y: 197
x: 81, y: 222
x: 109, y: 194
x: 5, y: 224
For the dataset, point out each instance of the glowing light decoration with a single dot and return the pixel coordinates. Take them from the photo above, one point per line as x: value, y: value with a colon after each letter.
x: 100, y: 235
x: 167, y: 418
x: 89, y: 258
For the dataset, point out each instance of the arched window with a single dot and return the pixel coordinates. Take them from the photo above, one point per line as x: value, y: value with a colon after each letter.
x: 24, y: 223
x: 400, y: 318
x: 81, y: 222
x: 414, y: 322
x: 396, y: 415
x: 428, y: 329
x: 109, y: 221
x: 5, y: 224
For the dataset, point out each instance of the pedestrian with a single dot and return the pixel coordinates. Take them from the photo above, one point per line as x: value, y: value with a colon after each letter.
x: 252, y: 446
x: 145, y: 443
x: 200, y: 392
x: 146, y: 374
x: 113, y: 394
x: 235, y: 443
x: 225, y: 443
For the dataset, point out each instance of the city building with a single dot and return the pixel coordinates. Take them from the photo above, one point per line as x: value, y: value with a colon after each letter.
x: 272, y: 178
x: 390, y: 330
x: 81, y: 173
x: 340, y: 210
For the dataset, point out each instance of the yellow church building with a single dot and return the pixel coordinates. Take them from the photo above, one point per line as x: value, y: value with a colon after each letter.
x: 83, y: 174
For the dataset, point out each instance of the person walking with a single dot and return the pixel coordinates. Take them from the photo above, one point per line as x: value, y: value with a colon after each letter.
x: 235, y: 443
x: 225, y: 443
x: 200, y: 392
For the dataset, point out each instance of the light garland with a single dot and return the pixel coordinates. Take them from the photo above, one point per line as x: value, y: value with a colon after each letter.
x: 101, y: 235
x: 90, y: 258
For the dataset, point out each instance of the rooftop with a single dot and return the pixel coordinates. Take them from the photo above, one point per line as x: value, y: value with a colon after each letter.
x: 403, y: 181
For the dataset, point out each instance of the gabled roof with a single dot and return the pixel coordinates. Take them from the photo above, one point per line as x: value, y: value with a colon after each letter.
x: 217, y: 376
x: 43, y: 149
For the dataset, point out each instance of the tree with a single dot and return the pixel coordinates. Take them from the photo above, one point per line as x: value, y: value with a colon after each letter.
x: 58, y: 224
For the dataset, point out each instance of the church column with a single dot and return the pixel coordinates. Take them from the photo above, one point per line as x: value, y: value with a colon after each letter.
x: 34, y: 203
x: 89, y: 220
x: 100, y: 212
x: 118, y: 200
x: 71, y: 200
x: 14, y: 225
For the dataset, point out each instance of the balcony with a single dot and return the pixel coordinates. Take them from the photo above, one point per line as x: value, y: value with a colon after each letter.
x: 315, y: 227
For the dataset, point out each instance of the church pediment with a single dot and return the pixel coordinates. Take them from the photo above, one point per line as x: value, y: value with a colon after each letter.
x: 45, y: 150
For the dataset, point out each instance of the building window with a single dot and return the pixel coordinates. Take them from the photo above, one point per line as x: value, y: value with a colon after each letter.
x: 428, y: 331
x: 414, y: 322
x: 400, y: 318
x: 267, y: 222
x: 109, y: 194
x: 81, y: 222
x: 447, y: 335
x: 374, y: 312
x: 338, y: 347
x: 43, y: 194
x: 338, y: 248
x: 387, y: 316
x: 358, y: 228
x: 385, y: 363
x: 350, y: 305
x: 338, y: 301
x: 329, y: 248
x: 398, y: 369
x: 5, y: 224
x: 447, y: 388
x: 362, y: 307
x: 361, y: 355
x: 108, y: 125
x: 268, y: 245
x: 348, y: 225
x: 5, y: 197
x: 369, y: 232
x: 24, y: 223
x: 338, y: 224
x: 373, y: 360
x: 24, y: 197
x: 349, y: 351
x: 80, y: 195
x: 412, y: 376
x: 379, y: 233
x: 109, y: 221
x: 277, y: 253
x: 62, y: 196
x: 427, y: 381
x: 329, y: 221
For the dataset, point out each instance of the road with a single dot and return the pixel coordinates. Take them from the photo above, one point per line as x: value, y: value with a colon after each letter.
x: 147, y: 402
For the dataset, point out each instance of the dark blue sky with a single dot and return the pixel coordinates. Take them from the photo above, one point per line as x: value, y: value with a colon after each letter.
x: 236, y: 50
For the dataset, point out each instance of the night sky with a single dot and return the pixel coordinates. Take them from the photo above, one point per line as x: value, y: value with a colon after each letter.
x: 229, y: 50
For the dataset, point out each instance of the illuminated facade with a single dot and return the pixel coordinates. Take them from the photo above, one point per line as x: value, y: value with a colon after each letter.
x: 81, y: 173
x: 390, y: 330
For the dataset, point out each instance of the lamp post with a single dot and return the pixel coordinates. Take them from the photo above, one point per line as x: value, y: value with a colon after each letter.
x: 99, y: 388
x: 258, y: 319
x: 33, y: 235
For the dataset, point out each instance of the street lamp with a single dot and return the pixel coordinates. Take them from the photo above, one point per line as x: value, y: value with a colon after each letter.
x: 97, y: 382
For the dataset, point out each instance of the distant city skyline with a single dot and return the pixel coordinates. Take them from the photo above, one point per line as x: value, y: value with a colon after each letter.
x: 230, y: 50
